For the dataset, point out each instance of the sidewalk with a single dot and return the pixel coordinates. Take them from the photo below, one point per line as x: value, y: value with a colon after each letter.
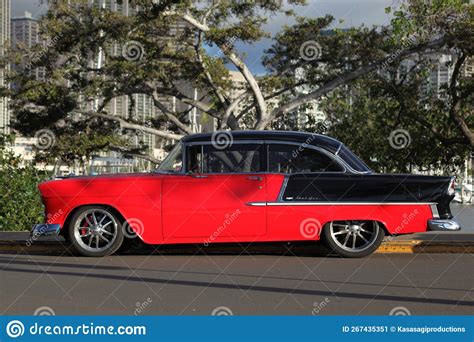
x: 430, y: 242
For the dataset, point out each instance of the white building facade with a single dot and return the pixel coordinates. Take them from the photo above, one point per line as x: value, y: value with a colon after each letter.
x: 4, y: 39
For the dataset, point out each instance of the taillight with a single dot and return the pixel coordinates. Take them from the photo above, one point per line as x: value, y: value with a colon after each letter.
x: 451, y: 188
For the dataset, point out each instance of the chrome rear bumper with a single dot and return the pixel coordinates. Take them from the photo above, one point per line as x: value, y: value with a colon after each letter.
x: 443, y: 225
x: 43, y: 229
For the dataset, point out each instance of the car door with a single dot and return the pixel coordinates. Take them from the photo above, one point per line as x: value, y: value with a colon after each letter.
x: 211, y: 199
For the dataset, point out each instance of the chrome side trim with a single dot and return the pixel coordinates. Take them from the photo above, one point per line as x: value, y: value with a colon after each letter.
x: 256, y: 204
x: 434, y: 211
x: 274, y: 204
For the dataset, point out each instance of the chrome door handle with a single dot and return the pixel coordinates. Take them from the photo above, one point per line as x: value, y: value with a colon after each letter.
x: 258, y: 178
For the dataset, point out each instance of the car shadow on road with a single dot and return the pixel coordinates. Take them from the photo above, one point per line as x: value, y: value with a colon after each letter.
x: 297, y: 249
x: 236, y: 286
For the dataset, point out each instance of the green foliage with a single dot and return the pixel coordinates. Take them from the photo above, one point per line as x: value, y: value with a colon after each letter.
x: 20, y: 202
x: 170, y: 60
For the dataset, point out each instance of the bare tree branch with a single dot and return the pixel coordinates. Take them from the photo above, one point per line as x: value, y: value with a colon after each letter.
x: 136, y: 127
x: 455, y: 102
x: 241, y: 66
x: 340, y: 80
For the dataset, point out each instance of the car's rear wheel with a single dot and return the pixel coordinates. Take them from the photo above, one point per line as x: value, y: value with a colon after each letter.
x: 95, y: 231
x: 353, y: 239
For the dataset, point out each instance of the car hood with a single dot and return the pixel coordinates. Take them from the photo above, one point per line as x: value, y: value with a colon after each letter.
x: 100, y: 185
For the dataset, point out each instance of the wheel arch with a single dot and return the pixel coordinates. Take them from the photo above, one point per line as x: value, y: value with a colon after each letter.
x: 63, y: 231
x: 381, y: 223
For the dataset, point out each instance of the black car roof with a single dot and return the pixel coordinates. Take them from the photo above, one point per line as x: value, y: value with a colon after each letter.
x: 314, y: 139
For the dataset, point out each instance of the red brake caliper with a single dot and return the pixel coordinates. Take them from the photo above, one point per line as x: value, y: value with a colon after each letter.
x: 86, y: 224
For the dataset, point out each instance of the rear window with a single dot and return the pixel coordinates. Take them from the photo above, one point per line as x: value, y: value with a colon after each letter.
x: 352, y: 160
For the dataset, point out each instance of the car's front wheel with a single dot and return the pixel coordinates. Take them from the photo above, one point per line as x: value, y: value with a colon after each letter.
x: 353, y: 239
x: 95, y: 231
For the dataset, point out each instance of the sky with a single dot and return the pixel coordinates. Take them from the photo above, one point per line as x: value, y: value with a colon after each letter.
x: 352, y: 12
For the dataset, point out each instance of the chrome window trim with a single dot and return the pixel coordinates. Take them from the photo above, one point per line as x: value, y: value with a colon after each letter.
x: 236, y: 142
x: 346, y: 167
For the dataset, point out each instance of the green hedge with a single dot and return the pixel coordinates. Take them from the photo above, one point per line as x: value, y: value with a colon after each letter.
x: 20, y: 202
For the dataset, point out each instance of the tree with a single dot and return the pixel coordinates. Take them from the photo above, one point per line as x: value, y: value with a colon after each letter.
x: 141, y: 58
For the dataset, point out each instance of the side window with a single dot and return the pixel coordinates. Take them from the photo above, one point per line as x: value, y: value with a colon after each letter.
x: 238, y: 158
x: 284, y: 158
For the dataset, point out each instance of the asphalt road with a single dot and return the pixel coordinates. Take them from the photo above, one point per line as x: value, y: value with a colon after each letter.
x: 423, y: 284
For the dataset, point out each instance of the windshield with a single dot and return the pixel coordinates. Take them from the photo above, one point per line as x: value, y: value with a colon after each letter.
x: 173, y: 161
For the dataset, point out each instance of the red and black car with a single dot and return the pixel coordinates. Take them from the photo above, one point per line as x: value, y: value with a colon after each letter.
x: 248, y: 186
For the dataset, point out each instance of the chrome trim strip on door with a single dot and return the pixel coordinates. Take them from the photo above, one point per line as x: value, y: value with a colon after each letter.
x: 273, y: 204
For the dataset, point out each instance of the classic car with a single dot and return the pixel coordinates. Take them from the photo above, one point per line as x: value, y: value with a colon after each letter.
x: 248, y: 186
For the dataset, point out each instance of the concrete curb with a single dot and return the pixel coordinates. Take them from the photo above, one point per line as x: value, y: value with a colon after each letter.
x: 399, y: 247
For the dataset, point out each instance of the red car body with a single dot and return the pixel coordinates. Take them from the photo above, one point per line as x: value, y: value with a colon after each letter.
x: 196, y: 207
x: 166, y: 208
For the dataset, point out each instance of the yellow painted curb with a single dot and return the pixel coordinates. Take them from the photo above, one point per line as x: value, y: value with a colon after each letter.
x: 418, y: 246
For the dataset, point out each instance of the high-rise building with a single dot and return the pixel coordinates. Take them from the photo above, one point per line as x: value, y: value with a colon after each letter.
x: 4, y: 38
x: 144, y: 108
x: 24, y: 32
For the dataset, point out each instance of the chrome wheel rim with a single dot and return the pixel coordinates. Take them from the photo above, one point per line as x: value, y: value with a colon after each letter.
x: 96, y: 230
x: 354, y: 236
